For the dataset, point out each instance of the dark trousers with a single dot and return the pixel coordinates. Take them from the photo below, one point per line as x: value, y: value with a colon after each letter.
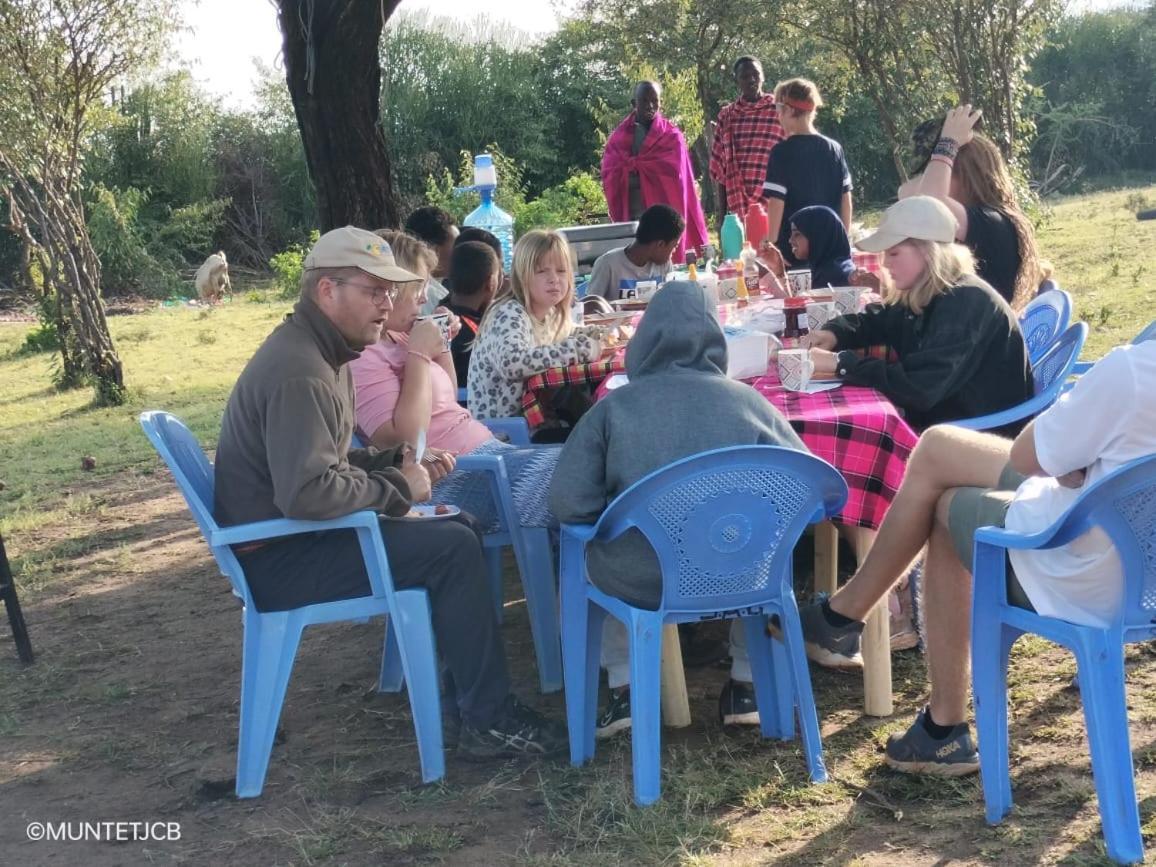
x: 443, y: 557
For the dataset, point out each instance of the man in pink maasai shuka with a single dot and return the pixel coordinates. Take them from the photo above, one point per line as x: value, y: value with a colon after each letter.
x: 646, y: 163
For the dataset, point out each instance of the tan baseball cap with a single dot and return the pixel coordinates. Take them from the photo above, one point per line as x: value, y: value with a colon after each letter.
x: 919, y: 217
x: 356, y: 248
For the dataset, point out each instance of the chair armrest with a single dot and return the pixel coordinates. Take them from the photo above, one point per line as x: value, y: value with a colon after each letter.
x: 288, y: 527
x: 1081, y: 367
x: 515, y: 429
x: 480, y: 463
x: 1028, y: 408
x: 581, y: 532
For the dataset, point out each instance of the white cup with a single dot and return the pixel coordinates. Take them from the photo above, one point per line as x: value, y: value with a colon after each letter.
x: 799, y: 281
x: 795, y: 368
x: 847, y: 299
x: 819, y: 313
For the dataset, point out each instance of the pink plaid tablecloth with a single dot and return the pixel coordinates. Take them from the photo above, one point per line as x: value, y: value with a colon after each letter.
x: 856, y: 430
x: 872, y: 262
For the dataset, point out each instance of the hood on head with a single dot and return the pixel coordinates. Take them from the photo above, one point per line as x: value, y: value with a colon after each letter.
x: 678, y: 332
x: 825, y: 234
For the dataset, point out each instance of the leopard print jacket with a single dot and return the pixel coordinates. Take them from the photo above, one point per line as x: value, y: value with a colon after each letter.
x: 506, y: 354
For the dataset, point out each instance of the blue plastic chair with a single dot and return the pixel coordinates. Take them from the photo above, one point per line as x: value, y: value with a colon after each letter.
x: 1049, y: 374
x: 532, y: 552
x: 1049, y: 285
x: 463, y: 396
x: 1123, y: 504
x: 1148, y: 333
x: 1044, y: 320
x: 724, y: 524
x: 271, y: 638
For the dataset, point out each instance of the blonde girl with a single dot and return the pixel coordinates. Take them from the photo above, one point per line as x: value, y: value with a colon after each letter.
x: 528, y: 330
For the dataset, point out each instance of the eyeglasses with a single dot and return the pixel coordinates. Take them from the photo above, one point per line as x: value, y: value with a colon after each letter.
x: 377, y: 293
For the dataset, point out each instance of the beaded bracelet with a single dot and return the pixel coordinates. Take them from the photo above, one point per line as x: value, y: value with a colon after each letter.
x: 420, y: 355
x: 946, y: 147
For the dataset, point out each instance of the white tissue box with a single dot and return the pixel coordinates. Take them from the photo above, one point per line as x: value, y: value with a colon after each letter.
x: 747, y: 352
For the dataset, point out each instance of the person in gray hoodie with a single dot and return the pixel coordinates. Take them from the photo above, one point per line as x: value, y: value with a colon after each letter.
x: 678, y: 402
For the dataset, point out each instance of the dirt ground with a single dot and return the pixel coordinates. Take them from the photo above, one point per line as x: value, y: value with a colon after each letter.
x: 130, y: 713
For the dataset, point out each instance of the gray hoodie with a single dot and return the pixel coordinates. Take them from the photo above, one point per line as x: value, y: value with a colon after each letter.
x: 678, y: 402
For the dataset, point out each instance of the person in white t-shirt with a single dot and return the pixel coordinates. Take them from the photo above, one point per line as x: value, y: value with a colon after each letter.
x: 647, y: 257
x: 959, y: 480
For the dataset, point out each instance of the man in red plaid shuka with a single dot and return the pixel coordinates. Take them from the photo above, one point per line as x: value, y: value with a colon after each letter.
x: 746, y: 131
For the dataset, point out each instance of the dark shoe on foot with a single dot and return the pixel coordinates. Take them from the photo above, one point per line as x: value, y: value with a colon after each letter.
x: 737, y: 705
x: 917, y: 752
x: 827, y: 645
x: 616, y: 717
x: 520, y: 731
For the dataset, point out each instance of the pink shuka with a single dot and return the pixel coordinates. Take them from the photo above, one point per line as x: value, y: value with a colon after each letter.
x: 665, y: 177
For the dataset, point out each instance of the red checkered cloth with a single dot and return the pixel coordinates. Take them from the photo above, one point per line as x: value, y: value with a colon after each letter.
x: 591, y: 374
x: 856, y: 430
x: 742, y: 145
x: 872, y: 262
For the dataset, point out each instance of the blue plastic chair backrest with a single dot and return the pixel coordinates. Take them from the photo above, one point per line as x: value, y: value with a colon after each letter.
x: 724, y: 523
x: 193, y: 473
x: 1053, y: 368
x: 1044, y: 319
x: 1123, y: 504
x: 1148, y: 333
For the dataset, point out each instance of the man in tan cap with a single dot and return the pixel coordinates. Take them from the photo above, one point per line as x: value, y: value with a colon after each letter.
x: 284, y: 452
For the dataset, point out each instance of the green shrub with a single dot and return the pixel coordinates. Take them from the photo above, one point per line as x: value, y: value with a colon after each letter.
x: 42, y: 338
x: 287, y: 268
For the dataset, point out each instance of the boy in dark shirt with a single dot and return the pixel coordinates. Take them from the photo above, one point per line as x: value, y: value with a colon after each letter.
x: 475, y: 276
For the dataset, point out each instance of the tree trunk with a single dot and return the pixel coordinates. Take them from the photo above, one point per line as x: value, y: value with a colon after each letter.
x: 332, y: 67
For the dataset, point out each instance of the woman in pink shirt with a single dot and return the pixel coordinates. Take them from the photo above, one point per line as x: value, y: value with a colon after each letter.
x: 406, y: 383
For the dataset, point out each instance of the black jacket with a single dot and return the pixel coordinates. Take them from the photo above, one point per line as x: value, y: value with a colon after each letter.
x: 963, y: 356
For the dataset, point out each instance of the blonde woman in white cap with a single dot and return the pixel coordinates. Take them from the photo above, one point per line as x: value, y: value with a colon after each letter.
x: 958, y: 343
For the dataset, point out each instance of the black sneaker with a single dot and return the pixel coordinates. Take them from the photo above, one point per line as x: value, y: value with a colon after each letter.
x: 917, y: 752
x: 737, y: 705
x: 829, y: 646
x: 521, y: 731
x: 616, y: 717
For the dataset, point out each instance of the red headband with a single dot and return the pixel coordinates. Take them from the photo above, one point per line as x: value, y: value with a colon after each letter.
x: 799, y: 104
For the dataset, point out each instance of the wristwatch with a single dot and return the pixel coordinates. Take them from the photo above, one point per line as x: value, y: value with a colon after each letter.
x: 844, y: 361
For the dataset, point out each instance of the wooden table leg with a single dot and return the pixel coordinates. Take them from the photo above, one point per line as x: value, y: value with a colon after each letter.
x: 877, y: 698
x: 826, y: 558
x: 675, y: 705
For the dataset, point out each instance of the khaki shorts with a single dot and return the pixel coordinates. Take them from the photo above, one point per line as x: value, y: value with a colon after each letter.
x: 972, y: 508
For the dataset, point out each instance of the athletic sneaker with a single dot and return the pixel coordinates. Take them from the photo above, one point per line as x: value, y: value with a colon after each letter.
x: 917, y: 752
x: 829, y: 646
x: 616, y: 717
x: 737, y: 705
x: 520, y: 731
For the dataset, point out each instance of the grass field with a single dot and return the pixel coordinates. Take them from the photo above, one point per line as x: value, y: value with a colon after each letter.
x: 130, y: 710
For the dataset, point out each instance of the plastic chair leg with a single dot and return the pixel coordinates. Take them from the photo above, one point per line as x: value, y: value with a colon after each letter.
x: 804, y: 697
x: 1100, y: 667
x: 645, y: 706
x: 494, y: 569
x: 538, y: 583
x: 392, y: 677
x: 419, y: 660
x: 270, y: 646
x: 582, y: 644
x: 766, y: 676
x: 989, y: 661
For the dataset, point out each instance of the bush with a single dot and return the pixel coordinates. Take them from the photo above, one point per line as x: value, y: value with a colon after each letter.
x: 287, y: 267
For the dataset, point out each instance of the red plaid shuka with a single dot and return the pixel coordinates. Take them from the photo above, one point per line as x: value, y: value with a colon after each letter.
x: 590, y: 374
x: 742, y: 146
